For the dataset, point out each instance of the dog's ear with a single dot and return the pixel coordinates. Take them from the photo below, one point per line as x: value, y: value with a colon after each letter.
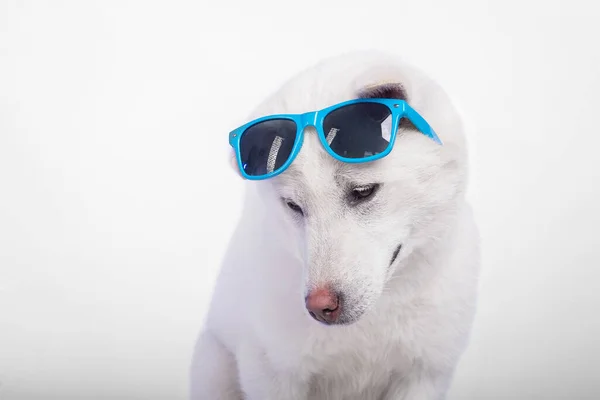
x: 383, y: 90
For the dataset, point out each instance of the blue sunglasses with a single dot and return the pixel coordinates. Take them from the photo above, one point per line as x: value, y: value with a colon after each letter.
x: 355, y: 131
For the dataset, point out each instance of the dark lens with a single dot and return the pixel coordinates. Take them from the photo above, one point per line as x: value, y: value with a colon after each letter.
x: 358, y: 130
x: 267, y: 145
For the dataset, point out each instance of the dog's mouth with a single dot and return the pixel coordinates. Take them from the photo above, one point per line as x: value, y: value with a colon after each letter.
x: 395, y: 254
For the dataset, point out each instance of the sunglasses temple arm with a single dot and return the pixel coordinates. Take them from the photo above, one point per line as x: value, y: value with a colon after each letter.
x: 421, y: 124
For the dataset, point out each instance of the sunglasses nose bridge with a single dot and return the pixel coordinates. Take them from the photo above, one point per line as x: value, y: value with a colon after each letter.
x: 309, y: 119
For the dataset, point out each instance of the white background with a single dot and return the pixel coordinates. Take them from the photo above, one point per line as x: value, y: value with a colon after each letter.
x: 116, y: 198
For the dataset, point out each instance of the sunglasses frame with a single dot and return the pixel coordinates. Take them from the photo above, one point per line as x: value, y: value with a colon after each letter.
x: 399, y: 109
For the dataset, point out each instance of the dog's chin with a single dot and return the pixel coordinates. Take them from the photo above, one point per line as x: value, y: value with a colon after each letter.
x: 343, y: 321
x: 350, y: 318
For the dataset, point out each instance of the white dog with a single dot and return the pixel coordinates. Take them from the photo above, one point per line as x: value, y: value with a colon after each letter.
x: 348, y: 281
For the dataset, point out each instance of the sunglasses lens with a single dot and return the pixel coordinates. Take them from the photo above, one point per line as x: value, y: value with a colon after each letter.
x: 359, y: 130
x: 267, y: 145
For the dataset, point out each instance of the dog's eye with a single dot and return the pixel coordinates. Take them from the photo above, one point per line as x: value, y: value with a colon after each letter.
x: 364, y: 192
x: 294, y: 207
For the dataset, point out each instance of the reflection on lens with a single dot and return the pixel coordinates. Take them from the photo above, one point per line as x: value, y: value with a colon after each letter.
x: 267, y: 145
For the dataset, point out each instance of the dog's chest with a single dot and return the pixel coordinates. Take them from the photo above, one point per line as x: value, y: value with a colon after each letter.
x: 358, y: 367
x: 358, y: 375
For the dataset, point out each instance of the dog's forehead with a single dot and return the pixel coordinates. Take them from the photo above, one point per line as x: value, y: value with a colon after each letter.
x: 317, y: 171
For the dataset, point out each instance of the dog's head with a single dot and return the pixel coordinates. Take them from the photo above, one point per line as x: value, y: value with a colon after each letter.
x: 355, y: 225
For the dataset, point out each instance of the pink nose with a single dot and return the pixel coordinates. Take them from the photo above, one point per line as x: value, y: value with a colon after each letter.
x: 323, y: 305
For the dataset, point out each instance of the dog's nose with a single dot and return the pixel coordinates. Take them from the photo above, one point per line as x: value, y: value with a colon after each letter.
x: 323, y: 305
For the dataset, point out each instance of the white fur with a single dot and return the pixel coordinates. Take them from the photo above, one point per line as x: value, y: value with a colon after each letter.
x: 413, y: 318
